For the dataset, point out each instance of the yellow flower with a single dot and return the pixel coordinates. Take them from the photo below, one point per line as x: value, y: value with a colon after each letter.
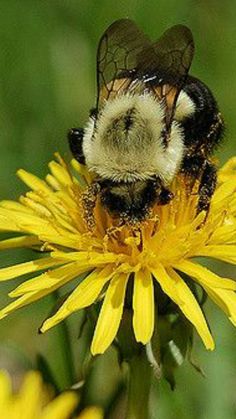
x: 33, y: 401
x: 157, y: 251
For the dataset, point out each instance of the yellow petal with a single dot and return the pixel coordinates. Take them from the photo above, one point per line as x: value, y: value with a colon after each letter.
x: 7, y: 223
x: 174, y: 286
x: 227, y: 253
x: 53, y: 182
x: 50, y: 279
x: 33, y: 182
x: 53, y: 280
x: 14, y: 207
x: 82, y: 170
x: 222, y: 192
x: 5, y: 387
x: 20, y: 302
x: 27, y: 267
x: 83, y: 296
x: 60, y: 174
x: 36, y: 207
x: 28, y: 223
x: 143, y: 306
x: 95, y: 258
x: 226, y: 233
x: 61, y: 407
x: 204, y: 276
x: 228, y: 169
x: 92, y: 412
x: 31, y: 394
x: 75, y: 242
x: 226, y: 300
x: 15, y: 242
x: 110, y: 314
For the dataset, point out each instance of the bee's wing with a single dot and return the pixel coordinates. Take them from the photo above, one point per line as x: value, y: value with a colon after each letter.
x: 118, y: 49
x: 165, y: 64
x: 126, y: 56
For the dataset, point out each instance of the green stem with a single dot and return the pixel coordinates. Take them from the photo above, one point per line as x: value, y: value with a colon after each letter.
x: 66, y: 353
x: 140, y: 377
x: 65, y: 348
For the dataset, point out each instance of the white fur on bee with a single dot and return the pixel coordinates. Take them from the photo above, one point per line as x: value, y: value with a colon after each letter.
x: 139, y: 153
x: 184, y: 107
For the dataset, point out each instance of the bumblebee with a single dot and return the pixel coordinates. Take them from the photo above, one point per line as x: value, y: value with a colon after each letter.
x: 152, y: 121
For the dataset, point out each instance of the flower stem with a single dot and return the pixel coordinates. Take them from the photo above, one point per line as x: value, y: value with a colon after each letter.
x: 65, y: 349
x: 66, y: 353
x: 140, y: 377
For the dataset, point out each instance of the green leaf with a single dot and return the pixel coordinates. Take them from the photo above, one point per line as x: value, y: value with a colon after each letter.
x: 43, y: 366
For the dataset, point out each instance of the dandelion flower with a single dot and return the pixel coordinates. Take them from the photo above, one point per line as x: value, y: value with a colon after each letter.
x: 161, y: 250
x: 33, y: 401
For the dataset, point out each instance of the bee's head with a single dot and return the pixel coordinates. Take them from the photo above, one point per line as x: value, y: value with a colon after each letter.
x: 131, y: 201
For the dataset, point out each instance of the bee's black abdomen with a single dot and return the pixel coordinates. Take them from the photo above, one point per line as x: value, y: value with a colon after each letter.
x: 203, y: 129
x: 75, y: 138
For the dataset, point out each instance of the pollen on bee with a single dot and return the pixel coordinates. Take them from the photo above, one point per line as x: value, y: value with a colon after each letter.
x: 88, y: 202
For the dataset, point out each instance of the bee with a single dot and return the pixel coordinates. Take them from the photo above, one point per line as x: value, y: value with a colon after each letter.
x: 151, y: 122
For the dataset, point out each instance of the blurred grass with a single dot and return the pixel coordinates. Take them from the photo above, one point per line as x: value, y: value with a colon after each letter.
x: 47, y: 85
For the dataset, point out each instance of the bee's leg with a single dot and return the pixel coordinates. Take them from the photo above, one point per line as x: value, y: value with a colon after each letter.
x: 89, y: 199
x: 163, y: 194
x: 207, y: 186
x: 192, y: 168
x: 75, y: 138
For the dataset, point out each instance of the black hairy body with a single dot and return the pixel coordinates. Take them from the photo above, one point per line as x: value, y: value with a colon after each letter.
x: 203, y: 132
x: 204, y: 129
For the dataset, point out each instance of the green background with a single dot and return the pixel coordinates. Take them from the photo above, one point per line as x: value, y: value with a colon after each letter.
x: 47, y: 85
